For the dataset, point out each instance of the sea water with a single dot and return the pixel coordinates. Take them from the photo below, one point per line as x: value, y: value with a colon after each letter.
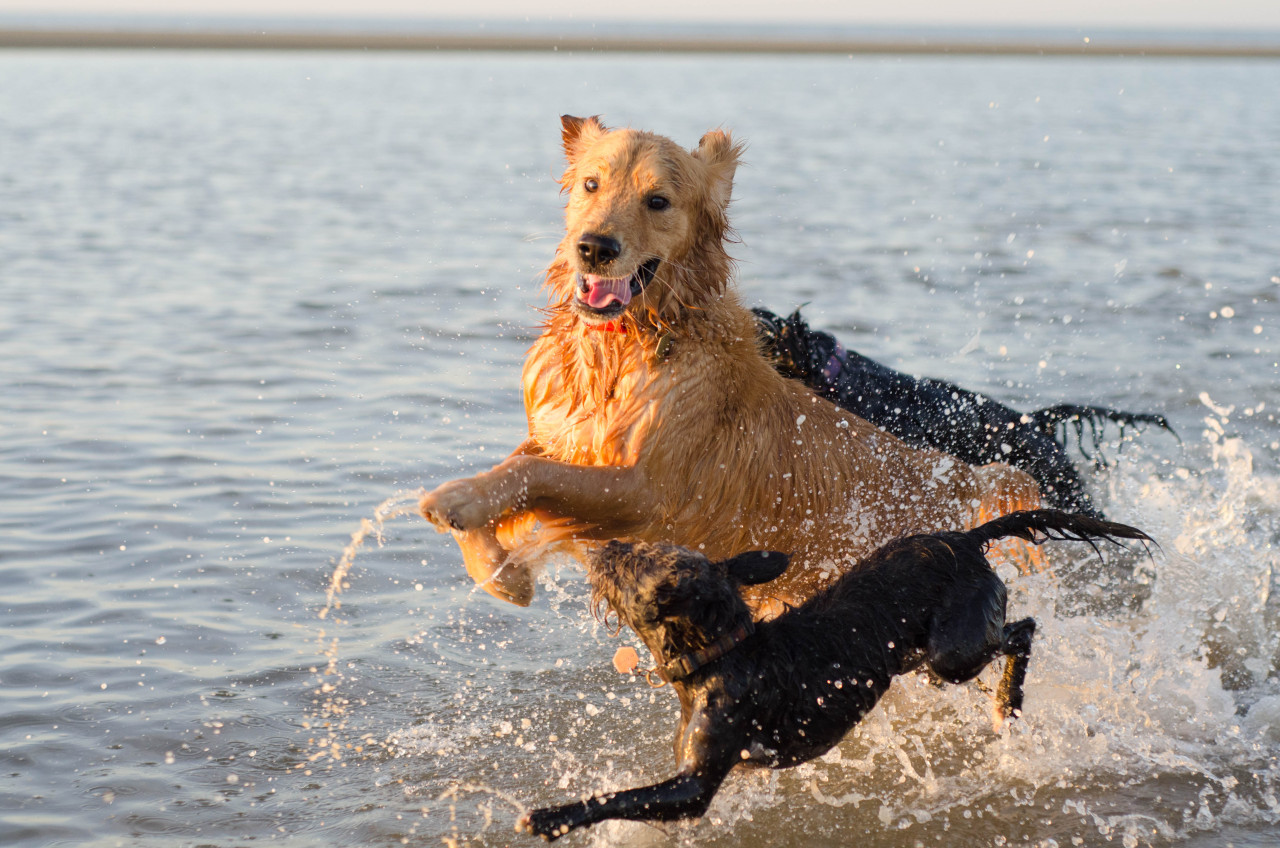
x: 247, y: 298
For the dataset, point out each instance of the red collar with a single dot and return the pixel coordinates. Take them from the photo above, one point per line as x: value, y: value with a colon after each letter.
x: 662, y: 351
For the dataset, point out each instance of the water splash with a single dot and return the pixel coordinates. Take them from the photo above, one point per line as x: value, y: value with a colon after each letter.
x: 404, y: 502
x: 1152, y: 706
x: 330, y: 708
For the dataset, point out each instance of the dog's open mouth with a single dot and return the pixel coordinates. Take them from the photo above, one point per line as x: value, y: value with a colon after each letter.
x: 608, y: 296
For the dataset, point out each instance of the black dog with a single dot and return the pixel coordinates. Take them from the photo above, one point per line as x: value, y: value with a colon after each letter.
x: 924, y: 412
x: 781, y: 692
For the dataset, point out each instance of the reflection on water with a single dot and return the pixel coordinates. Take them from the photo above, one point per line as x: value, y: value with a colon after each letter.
x: 249, y: 299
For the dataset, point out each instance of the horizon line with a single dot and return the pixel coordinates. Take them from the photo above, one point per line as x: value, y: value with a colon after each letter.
x: 143, y: 39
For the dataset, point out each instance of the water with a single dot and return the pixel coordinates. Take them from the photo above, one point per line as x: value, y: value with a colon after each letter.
x: 247, y: 299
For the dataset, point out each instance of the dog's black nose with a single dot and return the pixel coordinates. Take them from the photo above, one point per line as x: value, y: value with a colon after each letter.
x: 598, y: 250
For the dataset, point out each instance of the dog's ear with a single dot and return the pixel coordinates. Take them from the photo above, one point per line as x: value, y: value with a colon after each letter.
x: 756, y: 566
x: 717, y: 150
x: 671, y: 597
x: 579, y: 133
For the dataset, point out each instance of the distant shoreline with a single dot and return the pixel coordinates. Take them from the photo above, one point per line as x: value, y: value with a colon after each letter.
x: 451, y: 42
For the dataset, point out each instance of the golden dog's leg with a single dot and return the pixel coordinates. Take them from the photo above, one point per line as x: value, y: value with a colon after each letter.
x: 492, y: 566
x: 614, y: 498
x: 503, y: 518
x: 609, y: 496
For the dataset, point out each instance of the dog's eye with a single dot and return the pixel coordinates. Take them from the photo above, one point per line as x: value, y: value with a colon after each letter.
x: 590, y: 184
x: 658, y: 202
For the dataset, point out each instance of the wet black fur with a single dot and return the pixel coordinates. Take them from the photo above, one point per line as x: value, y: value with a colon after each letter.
x: 930, y: 413
x: 793, y: 690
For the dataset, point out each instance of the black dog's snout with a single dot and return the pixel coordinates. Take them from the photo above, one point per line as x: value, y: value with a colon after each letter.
x: 598, y: 250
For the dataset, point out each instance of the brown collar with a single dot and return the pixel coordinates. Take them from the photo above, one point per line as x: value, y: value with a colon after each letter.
x: 683, y: 666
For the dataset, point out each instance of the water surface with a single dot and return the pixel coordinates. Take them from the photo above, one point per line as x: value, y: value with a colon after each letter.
x: 246, y: 299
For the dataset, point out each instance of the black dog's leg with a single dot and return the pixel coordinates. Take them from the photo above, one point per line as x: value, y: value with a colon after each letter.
x: 967, y: 631
x: 706, y: 750
x: 1017, y: 647
x: 683, y: 796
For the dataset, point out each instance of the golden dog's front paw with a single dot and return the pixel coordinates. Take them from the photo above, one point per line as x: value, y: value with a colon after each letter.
x: 494, y: 570
x: 459, y: 505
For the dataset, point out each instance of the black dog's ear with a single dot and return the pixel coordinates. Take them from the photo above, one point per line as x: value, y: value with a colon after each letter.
x: 756, y: 566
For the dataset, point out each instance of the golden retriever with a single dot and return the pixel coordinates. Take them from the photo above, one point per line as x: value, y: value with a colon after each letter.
x: 654, y: 415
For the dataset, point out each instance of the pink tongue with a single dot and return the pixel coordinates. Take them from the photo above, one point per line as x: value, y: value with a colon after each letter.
x: 601, y: 291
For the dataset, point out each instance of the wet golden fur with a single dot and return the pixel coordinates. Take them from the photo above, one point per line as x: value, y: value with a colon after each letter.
x: 679, y: 429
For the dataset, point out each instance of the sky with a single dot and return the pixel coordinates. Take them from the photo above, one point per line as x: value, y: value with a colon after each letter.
x: 1216, y: 14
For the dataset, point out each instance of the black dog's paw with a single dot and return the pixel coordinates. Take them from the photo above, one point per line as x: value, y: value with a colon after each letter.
x: 1002, y: 713
x: 550, y: 823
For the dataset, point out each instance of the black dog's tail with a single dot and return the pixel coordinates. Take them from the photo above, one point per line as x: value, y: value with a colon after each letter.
x: 1040, y: 525
x: 1077, y: 417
